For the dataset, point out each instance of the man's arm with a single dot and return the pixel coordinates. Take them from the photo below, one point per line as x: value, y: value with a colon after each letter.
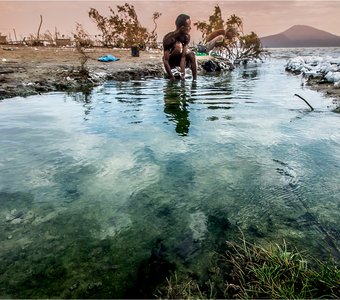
x: 166, y: 57
x: 215, y: 34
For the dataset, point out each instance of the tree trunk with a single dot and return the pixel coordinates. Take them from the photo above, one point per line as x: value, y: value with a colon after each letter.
x: 41, y: 20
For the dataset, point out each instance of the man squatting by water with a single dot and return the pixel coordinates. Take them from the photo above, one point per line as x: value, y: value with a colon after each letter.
x: 176, y: 51
x: 220, y: 38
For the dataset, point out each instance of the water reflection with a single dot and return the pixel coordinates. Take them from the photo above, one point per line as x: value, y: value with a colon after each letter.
x: 79, y: 196
x: 176, y: 99
x: 85, y: 97
x: 249, y: 73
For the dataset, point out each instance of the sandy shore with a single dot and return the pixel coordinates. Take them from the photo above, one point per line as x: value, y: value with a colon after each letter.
x: 28, y: 70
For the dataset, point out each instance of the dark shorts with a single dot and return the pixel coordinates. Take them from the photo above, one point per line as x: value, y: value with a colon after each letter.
x: 175, y: 61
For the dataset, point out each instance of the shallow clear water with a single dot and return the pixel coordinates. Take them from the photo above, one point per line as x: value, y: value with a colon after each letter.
x: 93, y: 187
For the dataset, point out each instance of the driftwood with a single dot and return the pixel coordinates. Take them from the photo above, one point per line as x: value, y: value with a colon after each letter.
x: 311, y: 107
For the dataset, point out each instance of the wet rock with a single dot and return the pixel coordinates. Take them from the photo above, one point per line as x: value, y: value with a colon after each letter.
x: 14, y: 214
x: 215, y: 64
x: 19, y: 217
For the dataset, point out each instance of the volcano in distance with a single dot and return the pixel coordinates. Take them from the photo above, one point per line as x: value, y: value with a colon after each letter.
x: 301, y: 36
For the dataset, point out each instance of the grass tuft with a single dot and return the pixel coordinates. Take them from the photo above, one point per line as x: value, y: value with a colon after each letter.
x: 276, y: 272
x: 250, y: 271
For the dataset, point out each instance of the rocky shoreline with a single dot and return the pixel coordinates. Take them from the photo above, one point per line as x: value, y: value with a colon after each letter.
x: 30, y: 71
x: 325, y: 88
x: 319, y: 73
x: 26, y: 71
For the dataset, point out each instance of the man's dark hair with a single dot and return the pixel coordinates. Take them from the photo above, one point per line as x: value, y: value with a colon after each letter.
x: 181, y: 20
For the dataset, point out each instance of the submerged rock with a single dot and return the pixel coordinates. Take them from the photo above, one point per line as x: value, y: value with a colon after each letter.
x: 19, y: 217
x: 198, y: 225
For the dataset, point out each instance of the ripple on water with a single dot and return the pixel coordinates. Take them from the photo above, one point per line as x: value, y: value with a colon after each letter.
x: 145, y: 169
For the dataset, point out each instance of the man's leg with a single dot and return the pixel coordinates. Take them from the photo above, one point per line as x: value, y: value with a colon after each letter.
x: 191, y: 57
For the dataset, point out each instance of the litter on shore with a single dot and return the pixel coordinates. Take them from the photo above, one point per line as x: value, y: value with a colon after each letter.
x: 108, y: 58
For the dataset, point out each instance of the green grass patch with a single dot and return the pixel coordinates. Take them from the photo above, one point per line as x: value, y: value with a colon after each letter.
x: 248, y: 271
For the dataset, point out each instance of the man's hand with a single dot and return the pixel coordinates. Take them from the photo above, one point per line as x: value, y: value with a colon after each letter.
x: 167, y: 67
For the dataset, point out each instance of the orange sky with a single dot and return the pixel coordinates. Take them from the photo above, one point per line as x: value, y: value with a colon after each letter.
x: 263, y: 17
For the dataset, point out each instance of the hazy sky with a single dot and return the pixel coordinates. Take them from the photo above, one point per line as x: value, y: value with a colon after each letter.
x: 262, y: 17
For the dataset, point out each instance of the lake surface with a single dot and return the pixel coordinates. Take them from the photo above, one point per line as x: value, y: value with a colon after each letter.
x: 96, y: 189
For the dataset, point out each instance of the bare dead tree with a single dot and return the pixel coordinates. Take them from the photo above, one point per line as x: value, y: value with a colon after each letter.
x: 15, y: 35
x: 41, y: 20
x: 122, y: 28
x: 82, y: 40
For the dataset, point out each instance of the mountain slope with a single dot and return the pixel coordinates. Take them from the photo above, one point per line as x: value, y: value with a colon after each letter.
x: 301, y: 36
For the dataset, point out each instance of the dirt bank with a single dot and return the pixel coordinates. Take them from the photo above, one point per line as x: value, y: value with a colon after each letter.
x: 327, y: 88
x: 28, y: 70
